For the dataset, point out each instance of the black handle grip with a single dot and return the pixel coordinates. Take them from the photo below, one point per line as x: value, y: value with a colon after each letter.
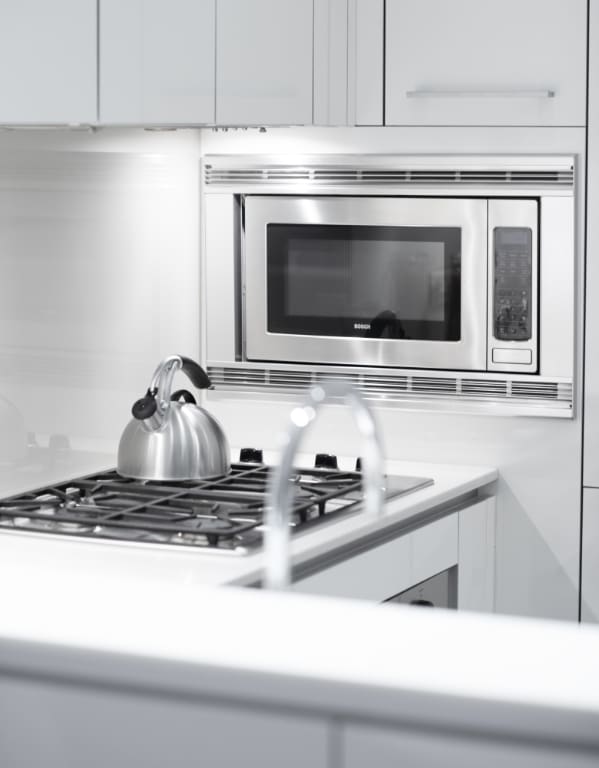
x: 199, y: 377
x: 185, y: 395
x: 145, y: 406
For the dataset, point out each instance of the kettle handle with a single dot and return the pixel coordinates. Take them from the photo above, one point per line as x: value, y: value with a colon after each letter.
x: 199, y: 377
x: 183, y: 395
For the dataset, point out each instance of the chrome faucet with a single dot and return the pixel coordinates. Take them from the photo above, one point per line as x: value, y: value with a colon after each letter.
x: 276, y: 535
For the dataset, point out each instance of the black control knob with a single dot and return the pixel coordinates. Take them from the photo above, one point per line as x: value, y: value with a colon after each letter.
x: 325, y: 461
x: 251, y: 455
x: 358, y: 464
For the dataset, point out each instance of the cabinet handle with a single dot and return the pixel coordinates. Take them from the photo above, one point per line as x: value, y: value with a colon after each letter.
x: 424, y: 94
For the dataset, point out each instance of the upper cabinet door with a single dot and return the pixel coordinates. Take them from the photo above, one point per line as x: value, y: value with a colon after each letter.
x: 498, y: 62
x: 157, y: 62
x: 48, y: 61
x: 264, y: 62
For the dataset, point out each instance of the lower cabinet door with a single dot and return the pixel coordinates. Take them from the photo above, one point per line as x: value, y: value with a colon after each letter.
x: 389, y: 568
x: 590, y: 558
x: 386, y: 748
x: 55, y: 724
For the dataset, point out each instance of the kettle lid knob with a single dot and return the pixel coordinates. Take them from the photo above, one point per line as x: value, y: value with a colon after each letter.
x: 145, y: 406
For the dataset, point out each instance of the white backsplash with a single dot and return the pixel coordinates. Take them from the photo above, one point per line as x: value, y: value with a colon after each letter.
x: 100, y: 278
x: 99, y: 257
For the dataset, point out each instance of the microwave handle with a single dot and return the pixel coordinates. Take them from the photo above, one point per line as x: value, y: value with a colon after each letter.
x: 515, y: 94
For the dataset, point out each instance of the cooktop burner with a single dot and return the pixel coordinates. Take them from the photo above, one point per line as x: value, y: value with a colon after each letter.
x: 219, y: 514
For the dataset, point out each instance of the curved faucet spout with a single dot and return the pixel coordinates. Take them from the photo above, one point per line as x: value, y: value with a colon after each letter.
x: 276, y: 535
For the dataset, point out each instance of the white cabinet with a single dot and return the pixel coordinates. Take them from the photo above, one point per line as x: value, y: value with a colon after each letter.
x: 78, y: 723
x: 264, y: 62
x: 47, y: 61
x: 591, y: 403
x: 366, y: 25
x: 392, y: 748
x: 465, y: 537
x: 389, y: 568
x: 348, y: 62
x: 589, y: 585
x: 157, y: 62
x: 498, y: 62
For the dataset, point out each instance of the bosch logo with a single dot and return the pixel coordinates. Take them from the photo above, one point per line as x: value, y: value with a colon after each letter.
x: 362, y: 326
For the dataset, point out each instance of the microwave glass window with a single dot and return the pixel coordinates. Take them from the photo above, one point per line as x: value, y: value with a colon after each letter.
x: 385, y: 282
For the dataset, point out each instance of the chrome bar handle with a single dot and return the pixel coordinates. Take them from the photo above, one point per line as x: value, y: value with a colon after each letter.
x: 515, y: 94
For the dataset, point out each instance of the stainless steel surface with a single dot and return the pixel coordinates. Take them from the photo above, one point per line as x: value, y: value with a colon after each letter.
x: 548, y: 179
x: 438, y: 591
x: 356, y: 174
x: 179, y: 441
x: 469, y: 215
x: 467, y: 391
x: 276, y: 535
x: 557, y: 287
x: 520, y: 357
x: 514, y: 213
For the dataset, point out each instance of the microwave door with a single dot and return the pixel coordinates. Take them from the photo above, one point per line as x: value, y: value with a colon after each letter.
x: 366, y: 281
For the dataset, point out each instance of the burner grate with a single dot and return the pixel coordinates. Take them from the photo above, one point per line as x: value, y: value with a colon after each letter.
x: 224, y: 512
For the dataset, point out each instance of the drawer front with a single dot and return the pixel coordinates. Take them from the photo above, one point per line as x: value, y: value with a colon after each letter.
x: 514, y: 62
x: 389, y: 568
x: 386, y: 748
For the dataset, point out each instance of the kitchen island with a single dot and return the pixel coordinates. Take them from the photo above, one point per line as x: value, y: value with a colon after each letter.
x: 124, y: 655
x: 131, y: 673
x: 446, y: 524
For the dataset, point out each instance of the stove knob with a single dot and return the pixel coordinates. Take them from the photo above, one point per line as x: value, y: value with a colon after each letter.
x: 358, y: 464
x: 325, y: 461
x: 251, y: 455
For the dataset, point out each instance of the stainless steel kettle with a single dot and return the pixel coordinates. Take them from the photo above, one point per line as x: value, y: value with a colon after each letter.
x: 170, y: 437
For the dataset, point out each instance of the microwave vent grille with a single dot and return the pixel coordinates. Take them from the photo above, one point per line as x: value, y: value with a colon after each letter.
x: 429, y: 385
x: 316, y: 176
x: 499, y: 395
x: 477, y: 388
x: 536, y: 391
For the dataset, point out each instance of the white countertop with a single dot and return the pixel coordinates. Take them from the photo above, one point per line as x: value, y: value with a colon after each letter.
x: 319, y: 655
x: 22, y: 554
x: 153, y: 618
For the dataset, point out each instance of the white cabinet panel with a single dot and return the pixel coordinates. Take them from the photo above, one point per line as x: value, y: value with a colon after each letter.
x: 591, y: 410
x: 48, y: 61
x: 386, y: 748
x: 365, y: 62
x: 264, y: 62
x: 502, y: 62
x: 330, y: 62
x: 157, y: 61
x: 389, y: 568
x: 96, y: 728
x: 589, y: 585
x: 476, y: 569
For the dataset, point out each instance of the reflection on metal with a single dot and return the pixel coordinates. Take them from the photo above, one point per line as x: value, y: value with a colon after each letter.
x: 461, y: 391
x: 276, y: 535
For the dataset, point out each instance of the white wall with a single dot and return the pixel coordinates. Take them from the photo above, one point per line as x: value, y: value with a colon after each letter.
x: 99, y: 279
x: 539, y: 459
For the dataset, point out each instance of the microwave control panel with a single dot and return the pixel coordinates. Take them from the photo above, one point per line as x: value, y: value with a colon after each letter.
x: 512, y: 303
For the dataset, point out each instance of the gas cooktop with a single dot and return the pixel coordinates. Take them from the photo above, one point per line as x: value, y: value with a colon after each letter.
x: 221, y: 514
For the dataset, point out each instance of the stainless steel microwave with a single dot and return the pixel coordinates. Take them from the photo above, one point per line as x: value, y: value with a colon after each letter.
x: 444, y: 283
x: 412, y: 276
